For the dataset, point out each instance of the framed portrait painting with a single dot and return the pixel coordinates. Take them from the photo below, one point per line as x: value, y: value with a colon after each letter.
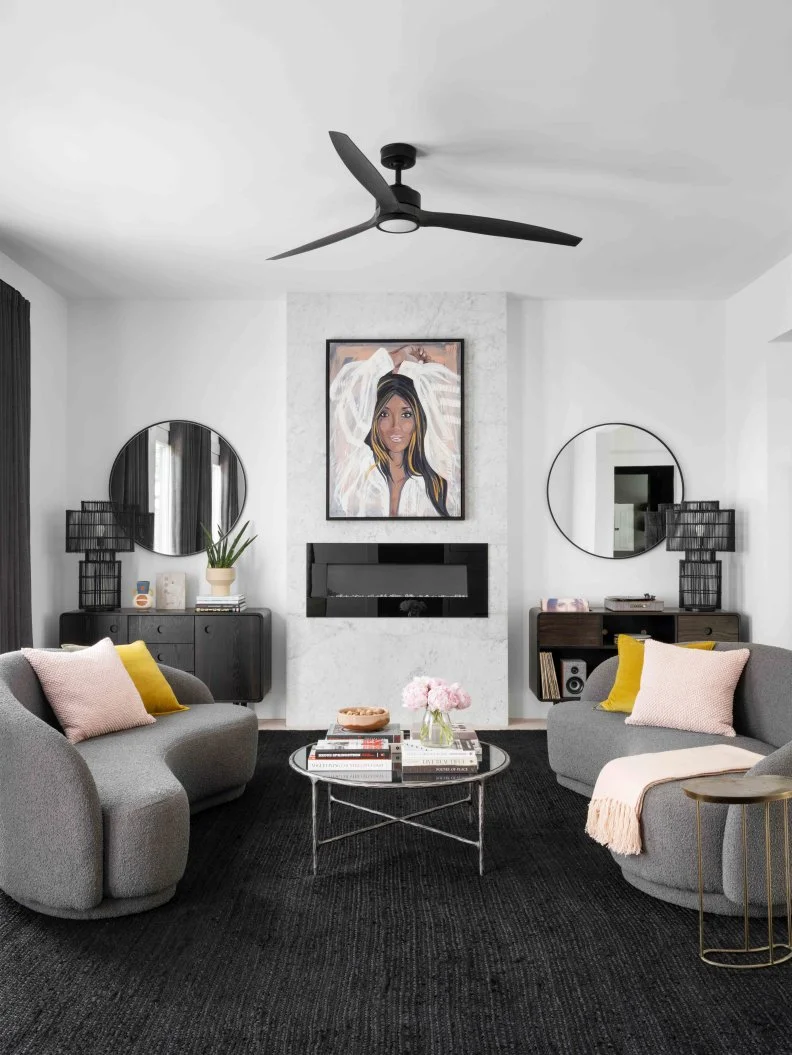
x: 395, y: 430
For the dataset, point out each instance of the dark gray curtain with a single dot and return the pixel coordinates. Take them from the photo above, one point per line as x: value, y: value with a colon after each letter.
x: 131, y: 486
x: 229, y: 474
x: 16, y: 622
x: 192, y: 447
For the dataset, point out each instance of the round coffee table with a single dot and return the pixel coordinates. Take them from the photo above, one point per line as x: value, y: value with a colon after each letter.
x: 746, y: 791
x: 494, y: 760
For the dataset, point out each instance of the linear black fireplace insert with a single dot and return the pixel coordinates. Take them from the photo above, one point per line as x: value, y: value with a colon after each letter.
x: 396, y: 580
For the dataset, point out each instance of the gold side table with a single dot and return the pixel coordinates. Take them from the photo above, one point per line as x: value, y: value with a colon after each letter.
x: 746, y: 791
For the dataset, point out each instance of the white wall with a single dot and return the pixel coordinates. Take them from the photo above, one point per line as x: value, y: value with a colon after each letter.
x: 48, y: 456
x: 221, y: 363
x: 758, y: 370
x: 580, y: 363
x: 333, y: 662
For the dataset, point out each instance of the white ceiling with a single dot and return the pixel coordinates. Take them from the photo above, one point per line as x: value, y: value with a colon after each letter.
x: 168, y: 148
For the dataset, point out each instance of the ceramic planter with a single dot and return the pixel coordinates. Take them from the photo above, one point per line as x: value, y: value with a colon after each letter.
x: 220, y: 580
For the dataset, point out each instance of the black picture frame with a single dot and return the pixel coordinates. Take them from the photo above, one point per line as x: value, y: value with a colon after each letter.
x: 392, y: 345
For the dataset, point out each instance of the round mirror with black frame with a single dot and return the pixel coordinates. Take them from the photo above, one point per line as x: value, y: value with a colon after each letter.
x: 608, y: 487
x: 176, y: 476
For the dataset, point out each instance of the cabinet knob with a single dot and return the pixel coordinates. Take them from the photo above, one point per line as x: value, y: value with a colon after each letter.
x: 160, y: 629
x: 113, y: 628
x: 159, y: 658
x: 708, y: 630
x: 207, y: 629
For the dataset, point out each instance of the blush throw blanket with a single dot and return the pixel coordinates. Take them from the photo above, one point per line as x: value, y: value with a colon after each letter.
x: 614, y: 813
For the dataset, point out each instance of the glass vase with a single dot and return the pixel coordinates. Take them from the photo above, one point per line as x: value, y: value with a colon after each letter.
x: 436, y: 729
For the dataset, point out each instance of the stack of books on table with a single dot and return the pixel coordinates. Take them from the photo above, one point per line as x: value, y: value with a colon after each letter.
x: 468, y: 737
x: 436, y: 764
x: 235, y: 602
x: 355, y: 758
x: 392, y: 733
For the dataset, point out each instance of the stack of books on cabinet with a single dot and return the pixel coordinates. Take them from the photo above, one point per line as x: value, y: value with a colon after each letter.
x: 235, y: 602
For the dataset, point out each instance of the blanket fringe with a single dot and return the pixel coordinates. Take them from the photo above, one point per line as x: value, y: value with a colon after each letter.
x: 614, y: 824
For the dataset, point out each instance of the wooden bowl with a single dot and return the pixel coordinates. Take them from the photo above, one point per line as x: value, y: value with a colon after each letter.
x: 363, y: 719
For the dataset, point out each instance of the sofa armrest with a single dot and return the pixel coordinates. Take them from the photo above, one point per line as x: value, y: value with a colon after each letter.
x: 778, y: 763
x: 50, y: 817
x: 600, y: 682
x: 188, y: 689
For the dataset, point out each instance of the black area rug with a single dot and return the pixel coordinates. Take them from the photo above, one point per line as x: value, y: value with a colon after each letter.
x: 397, y: 947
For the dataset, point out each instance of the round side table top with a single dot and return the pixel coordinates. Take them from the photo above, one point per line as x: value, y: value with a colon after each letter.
x: 738, y: 789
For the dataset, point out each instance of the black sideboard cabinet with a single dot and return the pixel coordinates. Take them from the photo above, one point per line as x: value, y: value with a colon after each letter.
x: 591, y: 636
x: 231, y: 652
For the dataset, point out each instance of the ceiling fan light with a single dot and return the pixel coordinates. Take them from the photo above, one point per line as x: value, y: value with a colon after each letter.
x: 397, y: 225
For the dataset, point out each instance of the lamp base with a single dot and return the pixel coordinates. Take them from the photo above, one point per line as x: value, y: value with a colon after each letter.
x: 100, y: 585
x: 700, y: 585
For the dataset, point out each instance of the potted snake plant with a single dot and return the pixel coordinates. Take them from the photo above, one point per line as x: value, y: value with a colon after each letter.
x: 221, y: 558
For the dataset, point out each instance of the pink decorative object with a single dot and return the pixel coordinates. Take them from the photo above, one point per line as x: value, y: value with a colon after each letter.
x: 89, y: 691
x: 434, y: 693
x: 686, y: 688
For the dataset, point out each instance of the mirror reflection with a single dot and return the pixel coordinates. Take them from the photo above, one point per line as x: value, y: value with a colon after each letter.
x: 607, y: 488
x: 177, y: 475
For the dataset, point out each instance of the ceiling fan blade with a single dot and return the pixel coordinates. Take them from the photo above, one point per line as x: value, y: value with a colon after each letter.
x: 455, y: 221
x: 339, y: 236
x: 364, y: 172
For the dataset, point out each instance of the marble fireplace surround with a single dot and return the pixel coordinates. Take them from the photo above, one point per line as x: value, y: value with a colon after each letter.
x: 347, y: 662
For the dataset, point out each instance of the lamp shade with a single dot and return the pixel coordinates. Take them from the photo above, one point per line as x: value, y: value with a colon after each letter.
x: 99, y: 526
x: 699, y: 526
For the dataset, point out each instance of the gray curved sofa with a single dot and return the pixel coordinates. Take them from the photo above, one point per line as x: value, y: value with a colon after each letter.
x: 102, y: 828
x: 581, y: 739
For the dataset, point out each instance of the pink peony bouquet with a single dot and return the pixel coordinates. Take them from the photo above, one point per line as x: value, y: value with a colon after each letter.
x: 434, y: 693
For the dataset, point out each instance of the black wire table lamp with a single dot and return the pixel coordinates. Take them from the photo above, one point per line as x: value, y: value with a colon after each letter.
x: 99, y: 529
x: 700, y: 529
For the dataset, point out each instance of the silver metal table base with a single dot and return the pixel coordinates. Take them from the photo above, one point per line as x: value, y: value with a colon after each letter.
x: 407, y: 819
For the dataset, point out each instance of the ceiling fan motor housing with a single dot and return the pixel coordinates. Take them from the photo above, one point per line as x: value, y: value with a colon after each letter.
x: 398, y: 156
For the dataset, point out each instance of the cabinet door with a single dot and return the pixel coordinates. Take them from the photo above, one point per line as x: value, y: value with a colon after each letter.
x: 86, y: 628
x: 229, y: 656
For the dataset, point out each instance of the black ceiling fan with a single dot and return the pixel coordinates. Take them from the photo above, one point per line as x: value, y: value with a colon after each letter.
x: 399, y: 209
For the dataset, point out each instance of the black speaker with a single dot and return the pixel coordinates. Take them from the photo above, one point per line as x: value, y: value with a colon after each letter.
x: 573, y: 677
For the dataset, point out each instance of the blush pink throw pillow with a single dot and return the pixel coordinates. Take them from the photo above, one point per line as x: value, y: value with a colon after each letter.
x: 89, y: 691
x: 684, y: 688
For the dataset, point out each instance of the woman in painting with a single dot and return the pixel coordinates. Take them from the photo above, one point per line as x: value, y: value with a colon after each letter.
x: 394, y: 437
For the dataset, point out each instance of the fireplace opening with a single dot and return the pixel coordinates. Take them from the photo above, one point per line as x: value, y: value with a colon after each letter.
x: 397, y: 580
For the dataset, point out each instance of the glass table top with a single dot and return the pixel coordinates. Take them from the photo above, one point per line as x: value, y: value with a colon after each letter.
x: 493, y: 761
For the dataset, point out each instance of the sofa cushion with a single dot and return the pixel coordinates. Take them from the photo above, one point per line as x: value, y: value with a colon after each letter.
x: 628, y: 674
x: 157, y: 695
x: 90, y: 691
x: 581, y: 739
x: 683, y: 689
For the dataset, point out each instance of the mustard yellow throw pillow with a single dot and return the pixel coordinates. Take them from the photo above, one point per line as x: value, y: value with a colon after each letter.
x: 157, y: 695
x: 628, y: 675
